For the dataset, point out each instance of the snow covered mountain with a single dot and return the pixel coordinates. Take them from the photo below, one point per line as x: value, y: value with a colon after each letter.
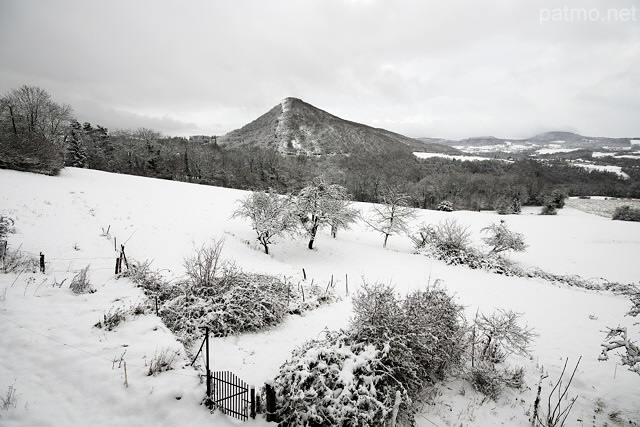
x: 296, y: 127
x: 554, y: 144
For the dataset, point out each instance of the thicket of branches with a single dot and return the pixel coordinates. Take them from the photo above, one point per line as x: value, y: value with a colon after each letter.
x: 373, y: 372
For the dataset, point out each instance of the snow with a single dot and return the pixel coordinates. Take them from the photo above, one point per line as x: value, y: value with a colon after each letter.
x: 634, y: 155
x: 603, y: 168
x: 556, y: 150
x: 422, y: 155
x: 64, y: 371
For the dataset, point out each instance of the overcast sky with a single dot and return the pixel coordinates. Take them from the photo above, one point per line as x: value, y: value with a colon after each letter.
x: 451, y: 69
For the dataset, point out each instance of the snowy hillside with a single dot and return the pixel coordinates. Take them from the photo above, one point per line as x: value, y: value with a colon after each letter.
x: 66, y: 372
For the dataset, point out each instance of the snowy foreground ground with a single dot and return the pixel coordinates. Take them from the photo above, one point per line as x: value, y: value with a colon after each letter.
x: 68, y: 373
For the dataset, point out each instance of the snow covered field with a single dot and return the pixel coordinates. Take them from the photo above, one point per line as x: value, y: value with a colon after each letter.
x: 68, y: 373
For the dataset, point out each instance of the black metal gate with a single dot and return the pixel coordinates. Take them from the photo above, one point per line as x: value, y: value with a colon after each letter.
x: 230, y: 394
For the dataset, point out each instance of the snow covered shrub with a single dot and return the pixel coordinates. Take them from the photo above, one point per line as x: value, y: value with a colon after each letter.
x: 202, y: 267
x: 445, y: 206
x: 448, y: 241
x: 6, y: 225
x: 163, y: 361
x: 487, y: 380
x: 30, y: 153
x: 151, y: 281
x: 548, y: 210
x: 424, y: 332
x: 617, y: 338
x: 500, y: 335
x: 501, y: 239
x: 303, y: 299
x: 558, y: 197
x: 626, y: 213
x: 234, y: 303
x: 80, y: 283
x: 508, y: 206
x: 111, y: 319
x: 552, y: 202
x: 336, y: 381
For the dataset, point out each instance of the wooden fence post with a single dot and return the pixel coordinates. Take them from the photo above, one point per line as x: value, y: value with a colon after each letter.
x: 209, y: 402
x: 3, y: 251
x: 304, y: 274
x: 42, y: 262
x: 252, y: 414
x: 271, y: 402
x: 346, y: 283
x: 123, y: 256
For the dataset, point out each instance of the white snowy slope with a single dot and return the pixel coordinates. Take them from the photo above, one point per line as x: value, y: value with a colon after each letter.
x: 66, y: 372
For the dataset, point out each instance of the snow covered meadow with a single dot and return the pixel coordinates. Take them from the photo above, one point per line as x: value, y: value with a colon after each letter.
x: 63, y: 371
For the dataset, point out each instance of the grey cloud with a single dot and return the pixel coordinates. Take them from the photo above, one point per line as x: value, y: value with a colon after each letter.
x: 423, y: 68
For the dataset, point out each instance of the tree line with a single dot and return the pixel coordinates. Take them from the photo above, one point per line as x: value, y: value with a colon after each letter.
x: 39, y: 134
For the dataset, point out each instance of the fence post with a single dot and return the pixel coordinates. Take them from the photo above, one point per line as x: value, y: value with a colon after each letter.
x: 253, y: 402
x: 123, y: 256
x: 304, y: 274
x: 209, y: 402
x: 41, y: 262
x: 117, y: 265
x: 3, y: 249
x: 346, y: 283
x: 271, y: 402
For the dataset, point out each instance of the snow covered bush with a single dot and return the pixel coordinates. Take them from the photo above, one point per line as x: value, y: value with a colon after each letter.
x: 80, y: 283
x: 234, y: 303
x: 151, y: 281
x: 445, y: 206
x: 493, y: 339
x: 203, y: 266
x: 500, y: 335
x: 617, y: 338
x: 6, y: 224
x: 448, y: 240
x: 302, y: 299
x: 626, y: 213
x: 487, y: 380
x: 336, y: 381
x: 501, y: 239
x: 548, y: 209
x: 424, y: 332
x: 371, y: 373
x: 163, y: 361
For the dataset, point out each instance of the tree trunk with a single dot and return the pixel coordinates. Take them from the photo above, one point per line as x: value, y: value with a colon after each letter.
x: 312, y: 236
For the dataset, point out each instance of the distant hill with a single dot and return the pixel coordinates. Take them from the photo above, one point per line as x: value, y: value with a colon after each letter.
x: 296, y: 127
x: 544, y: 144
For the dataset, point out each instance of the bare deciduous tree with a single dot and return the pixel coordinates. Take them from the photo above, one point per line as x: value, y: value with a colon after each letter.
x: 270, y: 215
x: 392, y: 216
x: 321, y: 203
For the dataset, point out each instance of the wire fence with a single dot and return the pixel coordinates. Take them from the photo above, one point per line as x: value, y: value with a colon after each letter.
x: 89, y: 353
